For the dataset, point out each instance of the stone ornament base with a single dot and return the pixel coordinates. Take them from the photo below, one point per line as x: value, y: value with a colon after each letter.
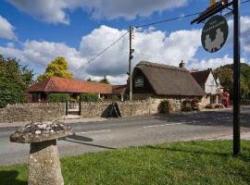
x: 44, y: 164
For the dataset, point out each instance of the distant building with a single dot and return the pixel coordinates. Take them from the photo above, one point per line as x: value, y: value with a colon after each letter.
x: 210, y: 85
x: 119, y: 91
x: 40, y: 91
x: 163, y: 81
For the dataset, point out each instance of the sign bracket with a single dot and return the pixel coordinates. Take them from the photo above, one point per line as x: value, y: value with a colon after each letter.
x: 219, y: 6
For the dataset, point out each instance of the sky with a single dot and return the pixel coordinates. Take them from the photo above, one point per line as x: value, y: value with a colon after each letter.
x: 37, y: 31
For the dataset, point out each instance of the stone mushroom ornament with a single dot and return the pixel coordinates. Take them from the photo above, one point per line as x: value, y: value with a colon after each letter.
x: 44, y: 163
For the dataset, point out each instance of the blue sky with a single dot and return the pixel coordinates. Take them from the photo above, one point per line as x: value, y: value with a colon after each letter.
x: 36, y: 31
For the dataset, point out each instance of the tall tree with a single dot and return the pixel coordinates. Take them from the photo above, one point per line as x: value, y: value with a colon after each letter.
x: 104, y: 80
x: 14, y: 80
x: 58, y: 67
x: 225, y: 74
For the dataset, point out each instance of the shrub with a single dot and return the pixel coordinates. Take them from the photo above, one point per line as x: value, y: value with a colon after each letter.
x: 89, y: 97
x: 58, y: 97
x: 210, y: 106
x: 164, y: 106
x: 195, y: 104
x: 219, y: 106
x: 187, y: 105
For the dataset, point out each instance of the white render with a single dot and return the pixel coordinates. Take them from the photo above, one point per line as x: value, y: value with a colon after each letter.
x: 211, y: 86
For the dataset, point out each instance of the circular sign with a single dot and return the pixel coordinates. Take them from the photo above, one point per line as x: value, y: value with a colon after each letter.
x: 214, y: 33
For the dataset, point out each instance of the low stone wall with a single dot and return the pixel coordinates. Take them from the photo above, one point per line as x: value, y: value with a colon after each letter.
x: 245, y: 102
x: 100, y: 109
x: 52, y: 111
x: 32, y: 112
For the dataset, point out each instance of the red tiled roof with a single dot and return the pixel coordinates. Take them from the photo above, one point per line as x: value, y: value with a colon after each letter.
x: 119, y: 89
x: 57, y: 84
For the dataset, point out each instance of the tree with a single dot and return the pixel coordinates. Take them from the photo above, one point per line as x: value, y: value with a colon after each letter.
x: 58, y: 67
x: 225, y: 74
x: 14, y: 80
x: 104, y: 80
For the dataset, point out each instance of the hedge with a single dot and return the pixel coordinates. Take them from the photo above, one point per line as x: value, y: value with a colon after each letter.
x: 89, y: 97
x: 58, y: 97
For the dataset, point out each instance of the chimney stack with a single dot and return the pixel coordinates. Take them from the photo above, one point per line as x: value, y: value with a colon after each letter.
x: 182, y: 64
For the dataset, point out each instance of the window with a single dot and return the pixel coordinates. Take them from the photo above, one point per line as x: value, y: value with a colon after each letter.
x: 139, y: 81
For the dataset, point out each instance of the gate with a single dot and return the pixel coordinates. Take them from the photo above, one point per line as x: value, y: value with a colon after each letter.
x: 73, y: 108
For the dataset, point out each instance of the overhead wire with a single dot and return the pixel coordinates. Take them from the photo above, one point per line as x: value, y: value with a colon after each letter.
x: 146, y: 25
x: 105, y: 49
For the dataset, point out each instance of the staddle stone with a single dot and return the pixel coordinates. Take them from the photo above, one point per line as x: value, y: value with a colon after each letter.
x: 44, y: 163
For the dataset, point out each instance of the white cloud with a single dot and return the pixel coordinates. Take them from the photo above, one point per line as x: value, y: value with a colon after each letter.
x: 149, y: 45
x: 244, y: 31
x: 211, y: 63
x: 37, y: 54
x: 56, y: 11
x: 6, y: 29
x: 152, y: 45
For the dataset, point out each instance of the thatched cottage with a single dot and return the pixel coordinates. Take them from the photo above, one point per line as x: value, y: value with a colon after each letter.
x: 164, y: 81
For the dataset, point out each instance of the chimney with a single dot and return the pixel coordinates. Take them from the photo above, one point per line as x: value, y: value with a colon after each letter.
x: 182, y: 64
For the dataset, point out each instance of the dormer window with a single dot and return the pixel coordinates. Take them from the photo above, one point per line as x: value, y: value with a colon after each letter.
x: 139, y: 81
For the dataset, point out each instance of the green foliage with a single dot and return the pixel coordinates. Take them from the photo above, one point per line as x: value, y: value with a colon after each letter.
x: 58, y: 67
x: 58, y: 97
x: 225, y: 74
x: 104, y: 80
x: 187, y: 105
x: 14, y: 80
x: 89, y: 97
x: 164, y: 107
x: 182, y: 163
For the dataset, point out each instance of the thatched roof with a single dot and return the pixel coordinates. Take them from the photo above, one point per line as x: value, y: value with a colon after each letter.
x: 201, y: 76
x: 170, y: 81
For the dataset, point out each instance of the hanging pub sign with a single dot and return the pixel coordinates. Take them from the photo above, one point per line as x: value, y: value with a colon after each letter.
x: 214, y: 33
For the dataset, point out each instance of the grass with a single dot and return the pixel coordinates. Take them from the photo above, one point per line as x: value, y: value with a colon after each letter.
x: 183, y: 163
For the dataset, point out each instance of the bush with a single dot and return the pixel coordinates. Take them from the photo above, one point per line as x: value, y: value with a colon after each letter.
x: 187, y: 106
x: 89, y: 97
x: 164, y: 107
x: 219, y: 106
x: 58, y: 97
x: 195, y: 104
x: 210, y: 106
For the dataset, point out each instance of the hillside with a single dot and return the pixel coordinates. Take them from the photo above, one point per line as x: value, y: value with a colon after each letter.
x: 225, y: 74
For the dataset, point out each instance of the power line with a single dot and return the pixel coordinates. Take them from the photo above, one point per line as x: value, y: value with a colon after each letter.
x: 105, y: 49
x: 175, y: 18
x: 145, y: 25
x: 168, y: 20
x: 243, y: 2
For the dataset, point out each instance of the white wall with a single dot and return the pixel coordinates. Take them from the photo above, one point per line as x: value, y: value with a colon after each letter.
x: 210, y: 85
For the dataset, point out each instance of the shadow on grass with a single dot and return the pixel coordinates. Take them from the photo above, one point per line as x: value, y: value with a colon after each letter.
x: 83, y: 140
x: 10, y: 178
x: 242, y: 156
x: 191, y: 151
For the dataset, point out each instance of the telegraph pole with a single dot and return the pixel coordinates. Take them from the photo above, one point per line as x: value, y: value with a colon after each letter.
x: 236, y: 81
x: 130, y: 65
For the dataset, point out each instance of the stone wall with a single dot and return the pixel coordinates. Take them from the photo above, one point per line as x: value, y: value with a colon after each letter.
x: 52, y: 111
x: 32, y: 112
x: 100, y: 109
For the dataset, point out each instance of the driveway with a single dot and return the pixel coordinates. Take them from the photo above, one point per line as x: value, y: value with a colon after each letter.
x: 118, y: 133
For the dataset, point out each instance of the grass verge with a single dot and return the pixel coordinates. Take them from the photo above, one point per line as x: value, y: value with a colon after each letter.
x: 183, y: 163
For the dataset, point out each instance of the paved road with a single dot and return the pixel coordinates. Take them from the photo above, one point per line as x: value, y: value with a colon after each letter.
x: 117, y: 133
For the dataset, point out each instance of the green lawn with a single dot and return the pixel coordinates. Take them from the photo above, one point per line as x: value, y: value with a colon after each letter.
x: 184, y: 163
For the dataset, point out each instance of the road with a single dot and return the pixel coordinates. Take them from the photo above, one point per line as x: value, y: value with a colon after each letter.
x: 118, y: 133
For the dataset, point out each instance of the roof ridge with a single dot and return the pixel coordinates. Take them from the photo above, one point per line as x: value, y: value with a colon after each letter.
x: 160, y: 65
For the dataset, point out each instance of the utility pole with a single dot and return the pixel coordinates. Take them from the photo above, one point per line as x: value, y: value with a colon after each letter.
x: 236, y: 81
x: 131, y: 29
